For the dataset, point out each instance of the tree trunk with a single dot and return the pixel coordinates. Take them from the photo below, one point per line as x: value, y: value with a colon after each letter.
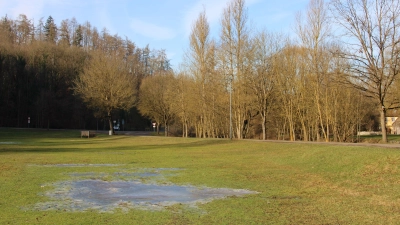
x: 383, y: 124
x: 110, y: 123
x: 305, y: 132
x: 183, y: 129
x: 264, y: 127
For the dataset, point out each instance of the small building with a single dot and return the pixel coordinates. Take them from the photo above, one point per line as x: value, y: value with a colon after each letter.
x: 396, y: 127
x: 392, y: 125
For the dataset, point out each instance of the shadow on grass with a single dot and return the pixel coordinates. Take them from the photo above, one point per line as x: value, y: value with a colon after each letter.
x: 43, y: 141
x: 195, y: 144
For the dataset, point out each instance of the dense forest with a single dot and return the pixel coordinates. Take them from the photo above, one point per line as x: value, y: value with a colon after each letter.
x: 38, y: 66
x: 320, y: 86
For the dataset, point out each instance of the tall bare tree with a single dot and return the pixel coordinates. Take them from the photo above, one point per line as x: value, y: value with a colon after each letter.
x: 24, y: 30
x: 201, y: 64
x: 313, y: 32
x: 7, y: 33
x: 372, y: 28
x: 234, y: 46
x: 183, y: 104
x: 64, y: 33
x: 262, y: 81
x: 292, y: 95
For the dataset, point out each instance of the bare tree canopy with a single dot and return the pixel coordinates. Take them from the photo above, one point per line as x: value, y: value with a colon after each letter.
x: 106, y: 84
x: 234, y: 50
x: 156, y: 97
x: 371, y: 27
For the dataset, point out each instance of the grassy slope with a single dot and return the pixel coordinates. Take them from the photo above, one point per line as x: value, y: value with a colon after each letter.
x: 298, y: 183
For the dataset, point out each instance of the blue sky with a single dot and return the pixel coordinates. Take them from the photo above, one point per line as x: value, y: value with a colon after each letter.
x: 163, y: 24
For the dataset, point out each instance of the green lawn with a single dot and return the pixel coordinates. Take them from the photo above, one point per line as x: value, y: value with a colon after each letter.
x: 392, y: 138
x: 297, y: 183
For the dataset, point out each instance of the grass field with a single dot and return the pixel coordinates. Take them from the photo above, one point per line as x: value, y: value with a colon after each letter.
x: 297, y: 183
x: 392, y: 138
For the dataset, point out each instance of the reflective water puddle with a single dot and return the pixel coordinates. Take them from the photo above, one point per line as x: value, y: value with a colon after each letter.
x: 106, y: 196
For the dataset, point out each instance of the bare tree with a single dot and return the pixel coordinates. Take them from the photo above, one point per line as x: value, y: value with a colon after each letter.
x: 201, y: 65
x: 313, y: 33
x: 106, y: 84
x: 24, y: 30
x: 234, y: 46
x: 7, y: 34
x: 39, y: 31
x: 64, y: 33
x: 372, y: 27
x: 293, y: 95
x: 156, y: 97
x: 263, y: 80
x: 183, y: 103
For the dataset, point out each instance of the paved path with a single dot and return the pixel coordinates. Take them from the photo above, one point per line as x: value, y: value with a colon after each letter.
x: 390, y: 145
x: 135, y: 133
x: 130, y: 133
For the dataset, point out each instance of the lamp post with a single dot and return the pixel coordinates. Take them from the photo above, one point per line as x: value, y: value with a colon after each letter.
x: 230, y: 107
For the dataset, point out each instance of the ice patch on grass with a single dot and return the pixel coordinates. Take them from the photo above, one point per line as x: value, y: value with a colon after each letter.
x: 130, y: 188
x: 9, y: 143
x: 144, y: 175
x: 106, y: 196
x: 81, y: 165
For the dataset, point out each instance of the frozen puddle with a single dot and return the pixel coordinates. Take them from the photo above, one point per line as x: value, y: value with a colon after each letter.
x: 81, y: 165
x: 10, y: 143
x: 106, y: 196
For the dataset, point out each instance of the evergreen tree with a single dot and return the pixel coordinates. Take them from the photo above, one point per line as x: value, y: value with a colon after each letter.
x: 50, y: 30
x: 78, y: 37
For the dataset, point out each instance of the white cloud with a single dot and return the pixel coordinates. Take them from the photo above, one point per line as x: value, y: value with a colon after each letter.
x: 151, y: 30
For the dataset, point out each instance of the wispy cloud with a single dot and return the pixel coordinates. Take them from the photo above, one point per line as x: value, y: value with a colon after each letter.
x: 151, y: 30
x: 103, y: 16
x: 214, y: 10
x: 279, y: 16
x: 34, y: 9
x: 27, y: 7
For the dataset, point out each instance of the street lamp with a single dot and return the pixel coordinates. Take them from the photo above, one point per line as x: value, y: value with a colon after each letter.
x: 230, y: 107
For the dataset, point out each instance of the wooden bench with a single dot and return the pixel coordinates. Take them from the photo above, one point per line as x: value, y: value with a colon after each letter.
x: 87, y: 133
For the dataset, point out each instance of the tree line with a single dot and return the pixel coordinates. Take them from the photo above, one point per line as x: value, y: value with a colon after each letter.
x: 338, y: 76
x: 248, y: 83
